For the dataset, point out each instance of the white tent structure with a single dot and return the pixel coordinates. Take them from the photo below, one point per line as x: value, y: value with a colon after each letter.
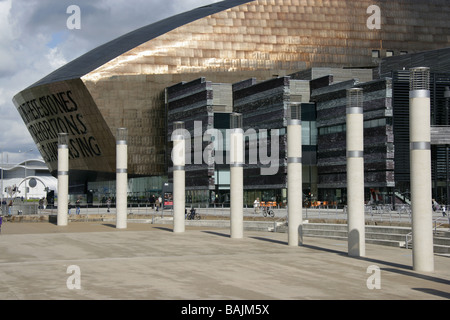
x: 29, y: 179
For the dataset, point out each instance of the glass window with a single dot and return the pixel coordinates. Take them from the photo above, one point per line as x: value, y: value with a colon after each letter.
x: 309, y: 133
x: 313, y: 133
x: 305, y: 133
x: 222, y: 177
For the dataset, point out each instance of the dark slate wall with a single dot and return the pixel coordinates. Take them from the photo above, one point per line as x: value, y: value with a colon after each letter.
x: 378, y: 140
x: 191, y: 102
x: 263, y: 106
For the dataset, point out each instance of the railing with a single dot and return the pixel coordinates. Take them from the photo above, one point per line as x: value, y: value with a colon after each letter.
x: 382, y: 213
x: 408, y: 239
x: 436, y: 222
x: 20, y: 208
x: 439, y: 222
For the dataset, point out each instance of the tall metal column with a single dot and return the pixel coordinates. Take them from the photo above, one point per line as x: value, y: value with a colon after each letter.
x: 178, y: 159
x: 294, y: 175
x: 63, y: 179
x: 236, y: 176
x: 447, y: 174
x: 355, y: 173
x: 121, y: 178
x: 420, y: 157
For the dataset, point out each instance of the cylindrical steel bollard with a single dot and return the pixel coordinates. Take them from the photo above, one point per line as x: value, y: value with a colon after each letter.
x: 121, y: 178
x: 236, y: 176
x: 178, y: 159
x: 63, y: 179
x: 294, y: 175
x: 355, y: 172
x: 420, y: 158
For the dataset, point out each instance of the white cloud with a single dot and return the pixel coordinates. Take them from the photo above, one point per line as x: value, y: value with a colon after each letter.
x: 35, y: 40
x: 55, y: 58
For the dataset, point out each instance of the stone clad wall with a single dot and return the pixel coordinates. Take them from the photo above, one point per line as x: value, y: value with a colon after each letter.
x: 378, y: 133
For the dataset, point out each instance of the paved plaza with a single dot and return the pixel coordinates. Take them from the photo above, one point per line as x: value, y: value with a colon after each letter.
x: 149, y: 261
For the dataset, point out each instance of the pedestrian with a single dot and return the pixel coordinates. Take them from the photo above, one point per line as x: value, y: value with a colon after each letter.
x: 157, y: 204
x: 152, y: 201
x: 78, y: 206
x: 435, y: 205
x: 256, y: 205
x: 108, y: 204
x: 443, y: 211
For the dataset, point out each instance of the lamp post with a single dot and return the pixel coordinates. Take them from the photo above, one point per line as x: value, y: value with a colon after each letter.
x: 420, y: 157
x: 236, y: 176
x: 446, y: 113
x: 63, y: 179
x: 355, y: 172
x: 178, y: 159
x: 294, y: 175
x: 121, y: 178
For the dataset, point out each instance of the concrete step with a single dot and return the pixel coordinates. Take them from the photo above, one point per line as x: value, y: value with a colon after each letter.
x: 384, y: 242
x: 439, y: 240
x: 248, y: 225
x: 388, y: 229
x: 381, y: 235
x: 441, y: 249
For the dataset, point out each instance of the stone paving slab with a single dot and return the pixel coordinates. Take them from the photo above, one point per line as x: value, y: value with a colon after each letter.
x: 147, y: 261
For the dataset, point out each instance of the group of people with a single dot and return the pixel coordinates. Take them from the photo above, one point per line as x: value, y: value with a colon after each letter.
x: 77, y: 206
x: 157, y: 201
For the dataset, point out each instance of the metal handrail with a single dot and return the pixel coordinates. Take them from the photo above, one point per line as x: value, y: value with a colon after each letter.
x: 408, y: 238
x: 436, y: 225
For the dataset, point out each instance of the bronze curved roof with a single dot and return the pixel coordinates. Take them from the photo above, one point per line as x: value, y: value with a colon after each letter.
x: 112, y: 49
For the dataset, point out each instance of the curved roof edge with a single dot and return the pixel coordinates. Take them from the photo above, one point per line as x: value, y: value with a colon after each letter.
x: 38, y: 164
x: 114, y: 48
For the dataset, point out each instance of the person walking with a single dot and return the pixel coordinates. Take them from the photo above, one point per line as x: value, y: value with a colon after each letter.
x: 256, y: 206
x: 78, y: 206
x: 157, y: 204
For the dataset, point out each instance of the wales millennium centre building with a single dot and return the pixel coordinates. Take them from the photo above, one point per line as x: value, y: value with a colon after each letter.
x: 255, y: 58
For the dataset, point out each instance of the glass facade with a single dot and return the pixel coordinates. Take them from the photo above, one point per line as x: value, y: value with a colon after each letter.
x: 140, y: 190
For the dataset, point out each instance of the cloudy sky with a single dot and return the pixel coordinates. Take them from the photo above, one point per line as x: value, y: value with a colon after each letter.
x: 35, y: 40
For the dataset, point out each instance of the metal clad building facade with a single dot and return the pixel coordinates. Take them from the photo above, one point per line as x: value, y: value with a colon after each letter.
x: 121, y: 83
